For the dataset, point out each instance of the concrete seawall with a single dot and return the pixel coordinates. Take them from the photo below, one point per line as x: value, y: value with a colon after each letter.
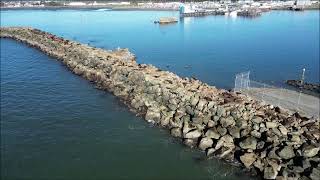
x: 263, y: 138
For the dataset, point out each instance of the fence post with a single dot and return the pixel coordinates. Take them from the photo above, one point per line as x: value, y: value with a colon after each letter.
x: 241, y: 80
x: 264, y: 86
x: 299, y: 99
x: 279, y: 98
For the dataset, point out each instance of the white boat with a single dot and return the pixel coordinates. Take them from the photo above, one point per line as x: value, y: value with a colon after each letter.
x: 233, y: 14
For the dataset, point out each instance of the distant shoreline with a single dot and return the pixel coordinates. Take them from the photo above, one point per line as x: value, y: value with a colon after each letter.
x: 126, y: 8
x: 116, y: 8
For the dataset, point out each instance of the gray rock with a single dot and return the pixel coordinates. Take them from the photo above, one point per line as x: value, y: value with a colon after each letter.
x: 258, y: 164
x: 221, y: 111
x: 190, y: 142
x: 310, y: 151
x: 212, y: 133
x: 245, y: 132
x: 216, y: 118
x: 153, y: 115
x: 228, y: 121
x: 257, y: 119
x: 205, y: 143
x: 210, y: 151
x: 315, y: 175
x: 283, y: 130
x: 222, y: 131
x: 241, y: 123
x: 193, y: 134
x: 271, y: 125
x: 176, y: 132
x: 211, y: 104
x: 211, y: 123
x: 194, y: 100
x: 249, y: 143
x: 187, y: 127
x: 269, y: 173
x: 201, y: 104
x: 234, y: 132
x: 248, y: 158
x: 286, y: 152
x: 256, y: 134
x: 260, y: 144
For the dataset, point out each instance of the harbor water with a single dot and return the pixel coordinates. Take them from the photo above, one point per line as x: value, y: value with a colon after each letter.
x: 55, y: 125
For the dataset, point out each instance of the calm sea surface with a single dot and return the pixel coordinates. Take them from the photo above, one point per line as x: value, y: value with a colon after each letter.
x: 56, y: 125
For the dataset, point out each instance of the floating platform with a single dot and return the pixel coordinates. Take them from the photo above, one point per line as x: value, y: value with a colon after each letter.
x: 166, y: 20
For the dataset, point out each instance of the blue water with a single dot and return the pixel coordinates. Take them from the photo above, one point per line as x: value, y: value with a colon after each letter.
x: 55, y: 125
x: 274, y: 47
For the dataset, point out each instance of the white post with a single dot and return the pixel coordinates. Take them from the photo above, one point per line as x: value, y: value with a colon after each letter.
x: 241, y: 80
x: 299, y: 98
x: 302, y: 77
x: 280, y: 97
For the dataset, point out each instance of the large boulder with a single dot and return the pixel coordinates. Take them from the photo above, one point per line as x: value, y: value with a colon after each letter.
x: 212, y: 133
x: 248, y: 158
x: 205, y: 143
x: 249, y: 143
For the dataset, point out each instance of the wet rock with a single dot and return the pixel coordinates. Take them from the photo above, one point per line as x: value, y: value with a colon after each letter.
x: 310, y: 151
x: 176, y: 132
x: 248, y: 158
x: 193, y: 134
x: 190, y: 142
x: 153, y: 115
x: 210, y: 151
x: 205, y: 143
x: 248, y: 143
x: 286, y: 152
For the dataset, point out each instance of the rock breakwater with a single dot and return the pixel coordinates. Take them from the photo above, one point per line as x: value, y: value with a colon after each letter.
x: 265, y: 139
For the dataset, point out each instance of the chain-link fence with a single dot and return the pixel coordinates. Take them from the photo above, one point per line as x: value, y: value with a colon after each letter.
x: 282, y: 97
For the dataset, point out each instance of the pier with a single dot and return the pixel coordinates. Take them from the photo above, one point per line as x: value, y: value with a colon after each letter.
x: 263, y: 138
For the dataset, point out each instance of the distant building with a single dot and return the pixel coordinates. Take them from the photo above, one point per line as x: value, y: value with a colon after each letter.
x: 303, y: 2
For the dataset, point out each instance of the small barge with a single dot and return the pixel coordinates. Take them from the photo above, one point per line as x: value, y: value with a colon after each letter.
x: 166, y: 20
